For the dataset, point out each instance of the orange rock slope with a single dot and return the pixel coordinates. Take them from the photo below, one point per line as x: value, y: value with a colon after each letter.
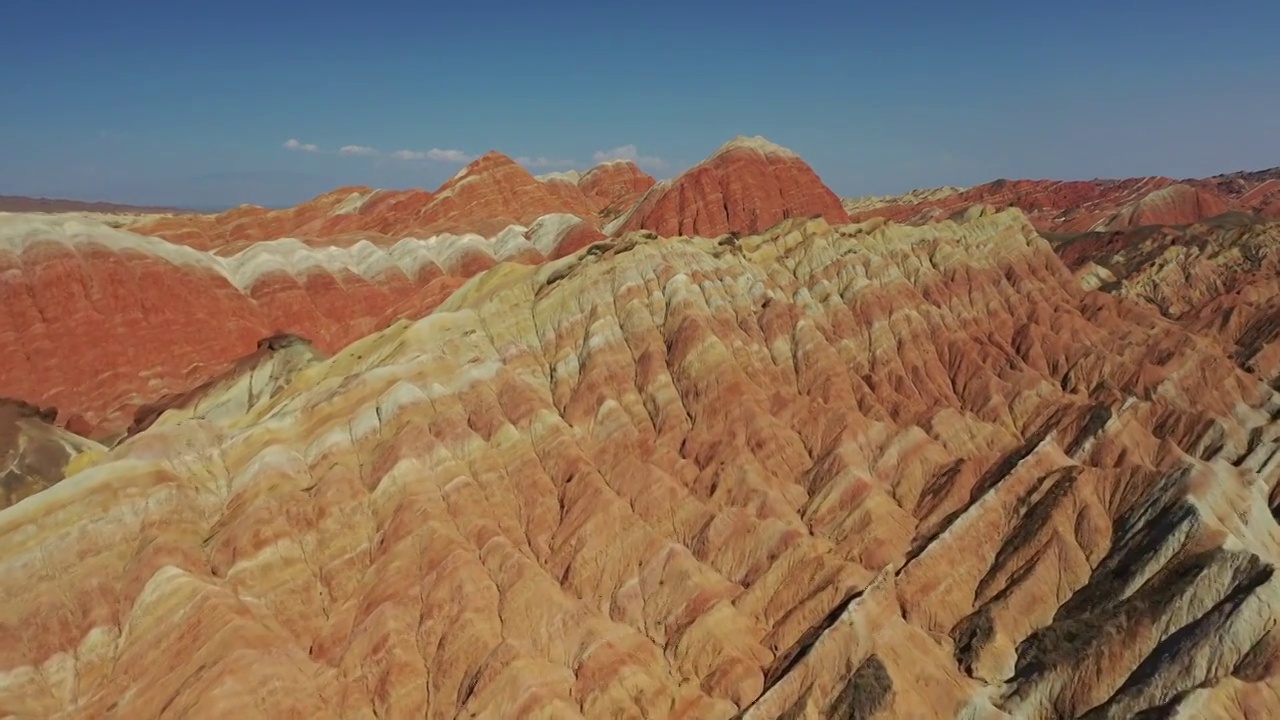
x: 823, y: 471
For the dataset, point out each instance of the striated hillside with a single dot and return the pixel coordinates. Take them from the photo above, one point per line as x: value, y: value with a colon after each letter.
x: 103, y: 322
x: 1219, y: 279
x: 748, y: 185
x: 1093, y: 205
x: 488, y: 195
x: 99, y: 322
x: 824, y: 471
x: 615, y: 187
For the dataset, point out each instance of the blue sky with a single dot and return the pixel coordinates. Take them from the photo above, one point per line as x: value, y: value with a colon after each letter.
x: 192, y: 103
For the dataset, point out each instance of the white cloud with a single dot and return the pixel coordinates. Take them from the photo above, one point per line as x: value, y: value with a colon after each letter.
x: 629, y: 152
x: 357, y: 150
x: 435, y: 155
x: 544, y: 162
x: 293, y: 144
x: 453, y: 156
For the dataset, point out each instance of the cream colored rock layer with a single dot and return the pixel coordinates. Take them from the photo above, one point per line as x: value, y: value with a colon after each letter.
x: 913, y: 197
x: 867, y: 470
x: 244, y: 269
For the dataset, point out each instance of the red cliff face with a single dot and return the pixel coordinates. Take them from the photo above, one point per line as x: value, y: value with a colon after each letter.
x: 749, y: 185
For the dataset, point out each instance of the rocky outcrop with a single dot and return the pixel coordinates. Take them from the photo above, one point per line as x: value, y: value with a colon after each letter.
x: 557, y: 236
x: 34, y: 451
x: 253, y: 379
x: 749, y: 185
x: 852, y: 471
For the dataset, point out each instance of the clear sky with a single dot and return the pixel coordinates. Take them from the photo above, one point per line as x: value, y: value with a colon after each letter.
x: 193, y: 103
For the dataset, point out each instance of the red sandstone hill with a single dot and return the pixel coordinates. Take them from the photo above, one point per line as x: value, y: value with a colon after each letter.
x: 748, y: 185
x: 1093, y: 205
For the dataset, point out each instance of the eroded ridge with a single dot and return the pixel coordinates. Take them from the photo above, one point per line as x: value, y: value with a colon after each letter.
x: 1220, y: 280
x: 99, y: 321
x: 858, y: 471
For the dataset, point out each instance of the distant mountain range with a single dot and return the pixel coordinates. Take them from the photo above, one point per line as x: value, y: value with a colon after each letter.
x: 19, y: 203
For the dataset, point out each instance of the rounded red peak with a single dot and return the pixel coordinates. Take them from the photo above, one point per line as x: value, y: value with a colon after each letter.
x: 749, y: 185
x: 488, y: 163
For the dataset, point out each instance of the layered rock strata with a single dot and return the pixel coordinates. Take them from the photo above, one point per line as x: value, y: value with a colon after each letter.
x: 748, y: 185
x: 854, y: 471
x: 99, y: 322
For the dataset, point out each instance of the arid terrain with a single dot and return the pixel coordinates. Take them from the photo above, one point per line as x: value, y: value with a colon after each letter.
x: 18, y: 203
x: 596, y: 445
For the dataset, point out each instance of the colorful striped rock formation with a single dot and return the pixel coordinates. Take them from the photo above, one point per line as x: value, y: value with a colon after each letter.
x: 820, y: 471
x: 747, y: 186
x: 99, y: 322
x: 1093, y: 205
x: 103, y: 321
